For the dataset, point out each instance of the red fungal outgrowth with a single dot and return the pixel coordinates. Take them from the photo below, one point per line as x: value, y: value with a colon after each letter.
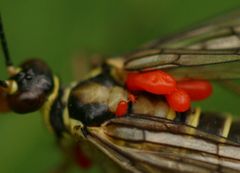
x: 178, y: 94
x: 155, y: 82
x: 196, y: 89
x: 179, y: 100
x: 122, y: 108
x: 81, y: 159
x: 132, y: 98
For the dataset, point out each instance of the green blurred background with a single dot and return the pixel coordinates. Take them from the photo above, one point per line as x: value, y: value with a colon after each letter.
x: 56, y: 30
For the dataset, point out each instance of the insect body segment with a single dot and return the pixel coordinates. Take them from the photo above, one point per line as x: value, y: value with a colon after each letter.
x: 96, y: 100
x: 92, y: 104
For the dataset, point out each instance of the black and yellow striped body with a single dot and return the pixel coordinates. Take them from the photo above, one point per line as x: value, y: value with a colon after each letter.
x: 87, y: 110
x: 90, y: 102
x: 94, y: 101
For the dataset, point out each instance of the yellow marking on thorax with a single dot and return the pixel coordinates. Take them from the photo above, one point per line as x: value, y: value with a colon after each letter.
x: 72, y: 125
x: 46, y: 108
x: 117, y: 62
x: 193, y: 118
x: 117, y: 71
x: 13, y: 70
x: 65, y: 111
x: 226, y: 126
x: 12, y: 87
x: 171, y: 114
x: 93, y: 73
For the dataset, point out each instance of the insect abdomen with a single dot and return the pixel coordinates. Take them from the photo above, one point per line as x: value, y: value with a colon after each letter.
x: 234, y: 133
x: 218, y: 124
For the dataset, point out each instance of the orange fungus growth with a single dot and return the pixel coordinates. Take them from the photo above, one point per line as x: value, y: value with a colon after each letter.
x: 122, y: 108
x: 178, y: 94
x: 155, y: 82
x: 179, y: 100
x: 196, y: 89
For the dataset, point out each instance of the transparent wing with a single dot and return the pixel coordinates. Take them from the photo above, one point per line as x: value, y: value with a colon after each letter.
x: 219, y: 33
x: 210, y: 51
x: 203, y: 64
x: 143, y: 143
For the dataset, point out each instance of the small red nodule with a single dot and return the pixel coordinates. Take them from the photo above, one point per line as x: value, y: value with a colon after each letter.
x: 196, y: 89
x: 132, y: 98
x: 155, y: 82
x: 122, y: 108
x: 179, y: 100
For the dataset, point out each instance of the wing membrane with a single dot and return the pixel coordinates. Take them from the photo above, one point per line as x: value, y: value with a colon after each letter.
x: 210, y: 51
x: 220, y: 33
x: 146, y: 144
x: 203, y: 64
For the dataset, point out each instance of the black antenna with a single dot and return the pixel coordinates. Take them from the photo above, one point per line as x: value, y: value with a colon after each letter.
x: 4, y: 45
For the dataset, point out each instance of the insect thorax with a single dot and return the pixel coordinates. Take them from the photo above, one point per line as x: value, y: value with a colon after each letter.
x: 86, y: 103
x: 94, y: 101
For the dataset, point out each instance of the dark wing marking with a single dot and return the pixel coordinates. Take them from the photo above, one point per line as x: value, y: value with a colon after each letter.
x: 203, y: 64
x: 150, y: 144
x: 220, y: 33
